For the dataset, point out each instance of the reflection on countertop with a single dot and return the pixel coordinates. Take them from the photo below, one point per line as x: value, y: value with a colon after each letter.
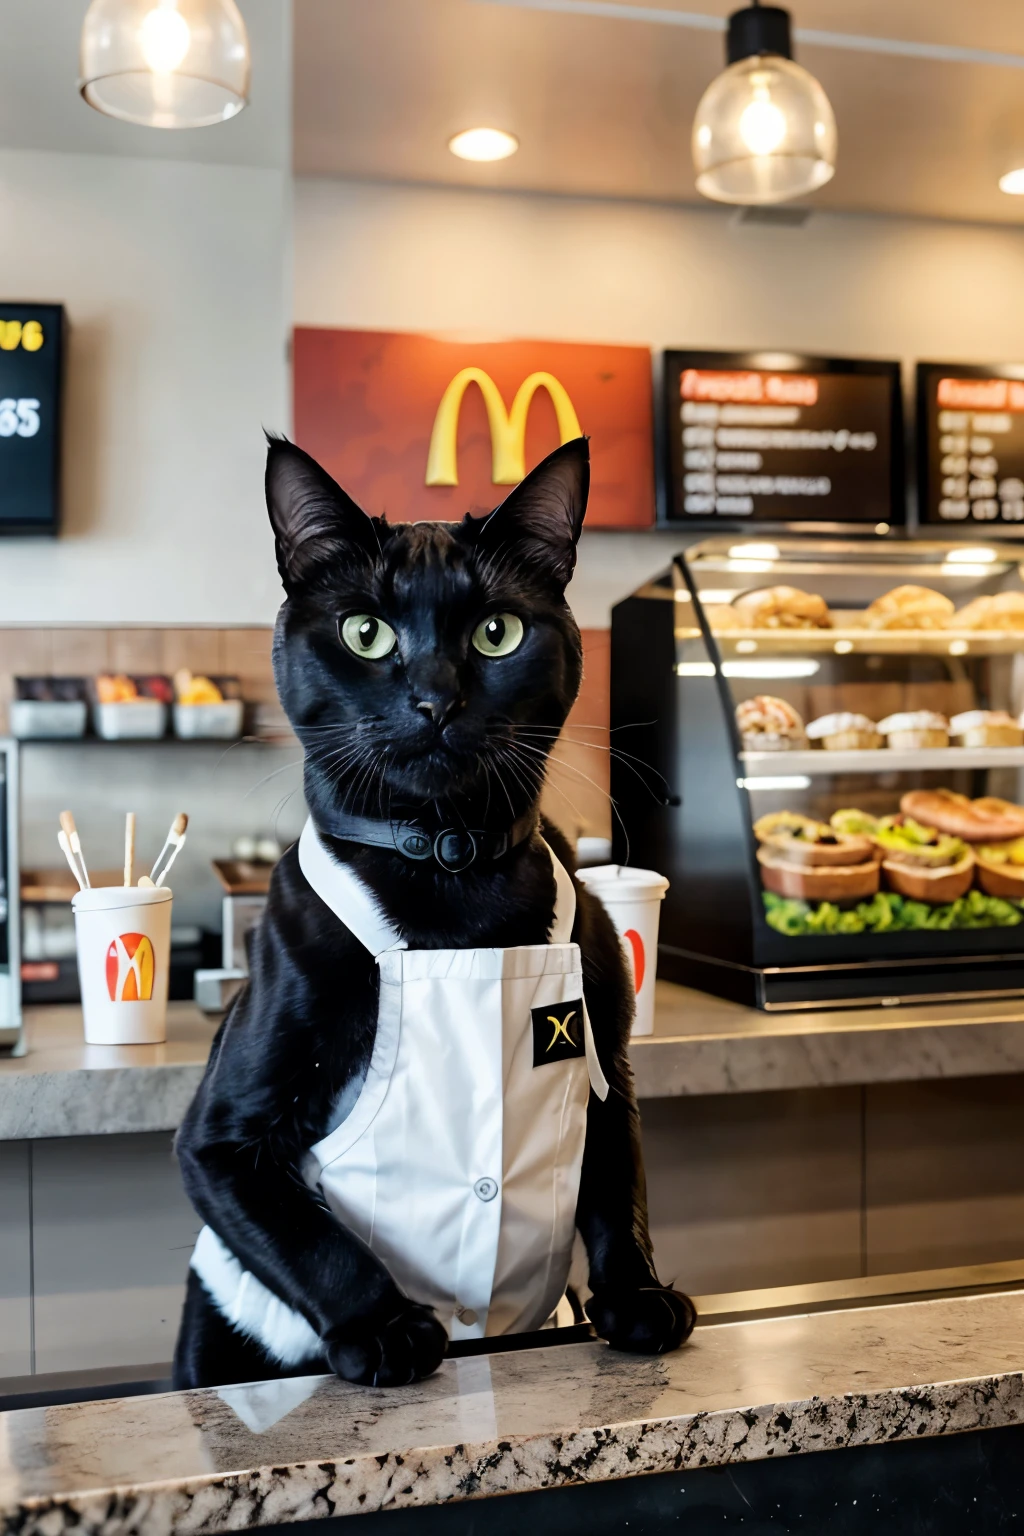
x: 275, y: 1452
x: 701, y: 1045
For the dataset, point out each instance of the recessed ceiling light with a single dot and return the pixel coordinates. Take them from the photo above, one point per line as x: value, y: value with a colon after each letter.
x: 483, y: 144
x: 1013, y: 182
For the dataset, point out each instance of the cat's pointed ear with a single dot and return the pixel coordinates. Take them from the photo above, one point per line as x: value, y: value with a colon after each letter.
x: 543, y: 517
x: 317, y: 526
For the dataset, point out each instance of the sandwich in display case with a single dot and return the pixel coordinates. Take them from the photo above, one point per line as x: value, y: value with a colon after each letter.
x: 820, y: 743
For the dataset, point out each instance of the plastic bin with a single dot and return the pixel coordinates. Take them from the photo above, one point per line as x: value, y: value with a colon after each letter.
x: 209, y: 722
x: 47, y: 719
x: 134, y: 720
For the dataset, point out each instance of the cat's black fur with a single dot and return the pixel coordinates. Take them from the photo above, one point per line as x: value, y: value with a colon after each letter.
x: 442, y: 734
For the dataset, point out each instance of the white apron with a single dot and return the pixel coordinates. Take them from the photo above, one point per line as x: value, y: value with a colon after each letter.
x: 458, y: 1160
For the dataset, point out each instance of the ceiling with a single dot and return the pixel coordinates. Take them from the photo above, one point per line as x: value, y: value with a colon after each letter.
x: 40, y: 107
x: 602, y: 103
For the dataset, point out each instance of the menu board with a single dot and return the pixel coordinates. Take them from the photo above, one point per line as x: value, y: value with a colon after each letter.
x: 970, y: 444
x: 777, y: 438
x: 31, y: 366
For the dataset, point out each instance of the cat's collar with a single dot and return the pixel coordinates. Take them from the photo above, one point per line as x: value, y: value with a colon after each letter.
x: 453, y: 848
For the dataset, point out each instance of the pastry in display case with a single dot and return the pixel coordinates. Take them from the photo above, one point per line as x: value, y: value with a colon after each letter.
x: 821, y: 744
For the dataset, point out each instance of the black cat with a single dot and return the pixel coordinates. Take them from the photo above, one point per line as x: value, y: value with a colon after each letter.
x: 426, y: 669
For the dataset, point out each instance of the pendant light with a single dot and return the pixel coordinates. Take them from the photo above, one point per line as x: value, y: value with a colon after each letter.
x: 165, y: 63
x: 764, y: 130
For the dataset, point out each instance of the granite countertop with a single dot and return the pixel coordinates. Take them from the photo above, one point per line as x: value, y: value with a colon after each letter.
x: 63, y: 1087
x: 701, y: 1045
x: 313, y: 1446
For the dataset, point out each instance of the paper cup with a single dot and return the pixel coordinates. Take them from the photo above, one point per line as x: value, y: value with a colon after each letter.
x: 633, y: 899
x: 124, y: 953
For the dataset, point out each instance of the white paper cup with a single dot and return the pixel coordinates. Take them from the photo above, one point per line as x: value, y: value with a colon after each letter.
x: 633, y: 900
x: 123, y: 935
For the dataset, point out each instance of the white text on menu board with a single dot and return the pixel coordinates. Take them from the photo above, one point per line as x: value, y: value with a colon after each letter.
x: 730, y: 419
x: 19, y: 418
x: 976, y: 412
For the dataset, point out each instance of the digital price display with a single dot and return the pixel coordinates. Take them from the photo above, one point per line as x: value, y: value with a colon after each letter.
x: 970, y: 444
x: 31, y: 371
x: 780, y: 438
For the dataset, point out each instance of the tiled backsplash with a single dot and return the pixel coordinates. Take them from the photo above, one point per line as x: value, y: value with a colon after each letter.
x: 227, y: 789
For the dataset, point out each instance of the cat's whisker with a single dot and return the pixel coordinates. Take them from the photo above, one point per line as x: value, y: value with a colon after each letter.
x: 295, y: 763
x: 627, y: 759
x: 525, y: 747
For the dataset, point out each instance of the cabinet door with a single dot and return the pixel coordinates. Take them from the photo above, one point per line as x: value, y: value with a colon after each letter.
x: 15, y: 1261
x: 752, y: 1190
x: 113, y: 1233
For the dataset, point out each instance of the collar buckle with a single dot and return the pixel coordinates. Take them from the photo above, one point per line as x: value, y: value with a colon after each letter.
x: 455, y: 849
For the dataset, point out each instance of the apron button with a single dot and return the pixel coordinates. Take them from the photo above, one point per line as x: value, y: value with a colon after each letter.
x: 466, y: 1315
x: 485, y: 1189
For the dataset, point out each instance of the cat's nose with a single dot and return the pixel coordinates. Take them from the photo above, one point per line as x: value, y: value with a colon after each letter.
x: 439, y: 710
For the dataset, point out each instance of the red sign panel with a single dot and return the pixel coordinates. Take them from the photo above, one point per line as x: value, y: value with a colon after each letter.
x: 423, y: 428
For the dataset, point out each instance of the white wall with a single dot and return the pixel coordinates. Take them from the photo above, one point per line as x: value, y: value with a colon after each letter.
x: 410, y: 258
x: 174, y: 276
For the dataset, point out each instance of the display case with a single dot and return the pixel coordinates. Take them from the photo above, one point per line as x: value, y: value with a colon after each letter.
x: 819, y: 743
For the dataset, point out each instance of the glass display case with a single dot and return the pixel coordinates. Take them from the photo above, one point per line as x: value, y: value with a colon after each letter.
x: 819, y: 743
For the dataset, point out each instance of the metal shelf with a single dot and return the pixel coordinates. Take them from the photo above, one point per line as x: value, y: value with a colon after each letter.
x: 880, y: 760
x: 858, y: 640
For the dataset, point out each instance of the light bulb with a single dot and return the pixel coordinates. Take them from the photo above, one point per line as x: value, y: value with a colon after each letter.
x: 165, y: 63
x: 762, y: 126
x: 764, y: 131
x: 164, y: 38
x: 1013, y: 182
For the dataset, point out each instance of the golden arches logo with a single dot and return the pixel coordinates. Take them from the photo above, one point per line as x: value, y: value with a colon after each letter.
x: 130, y: 967
x: 508, y: 428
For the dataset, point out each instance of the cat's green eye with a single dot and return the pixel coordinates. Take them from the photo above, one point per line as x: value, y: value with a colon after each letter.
x: 367, y: 636
x: 499, y: 635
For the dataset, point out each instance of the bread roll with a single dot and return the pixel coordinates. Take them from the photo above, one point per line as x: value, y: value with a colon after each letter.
x: 987, y: 820
x: 839, y: 883
x: 986, y: 728
x: 909, y: 608
x: 769, y: 724
x: 782, y: 608
x: 845, y: 732
x: 919, y: 883
x: 997, y: 879
x: 1003, y: 611
x: 913, y: 729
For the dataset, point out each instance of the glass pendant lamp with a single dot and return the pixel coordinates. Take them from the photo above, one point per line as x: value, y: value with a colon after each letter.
x: 764, y: 130
x: 165, y: 63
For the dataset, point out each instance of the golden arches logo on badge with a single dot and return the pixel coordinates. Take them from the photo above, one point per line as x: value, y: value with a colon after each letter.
x: 508, y: 428
x: 130, y: 967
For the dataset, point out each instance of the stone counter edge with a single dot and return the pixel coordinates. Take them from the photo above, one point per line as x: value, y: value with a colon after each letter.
x: 443, y: 1474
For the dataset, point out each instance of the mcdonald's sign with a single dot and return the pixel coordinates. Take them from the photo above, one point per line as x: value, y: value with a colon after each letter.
x: 420, y: 427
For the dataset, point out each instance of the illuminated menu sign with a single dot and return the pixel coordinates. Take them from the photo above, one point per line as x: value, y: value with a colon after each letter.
x: 970, y: 444
x: 31, y: 368
x: 812, y: 440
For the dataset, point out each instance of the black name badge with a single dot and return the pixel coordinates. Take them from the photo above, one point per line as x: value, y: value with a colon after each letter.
x: 558, y: 1032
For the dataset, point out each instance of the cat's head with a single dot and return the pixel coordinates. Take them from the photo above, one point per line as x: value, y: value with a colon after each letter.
x: 426, y: 665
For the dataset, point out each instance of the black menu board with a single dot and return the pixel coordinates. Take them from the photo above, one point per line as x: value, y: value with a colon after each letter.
x: 31, y: 366
x: 756, y: 437
x: 970, y: 444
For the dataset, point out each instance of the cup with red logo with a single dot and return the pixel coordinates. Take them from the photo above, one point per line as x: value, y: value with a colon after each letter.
x: 633, y: 900
x: 123, y: 934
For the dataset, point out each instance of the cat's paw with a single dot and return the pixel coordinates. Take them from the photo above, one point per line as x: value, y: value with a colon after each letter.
x: 390, y: 1350
x: 651, y: 1321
